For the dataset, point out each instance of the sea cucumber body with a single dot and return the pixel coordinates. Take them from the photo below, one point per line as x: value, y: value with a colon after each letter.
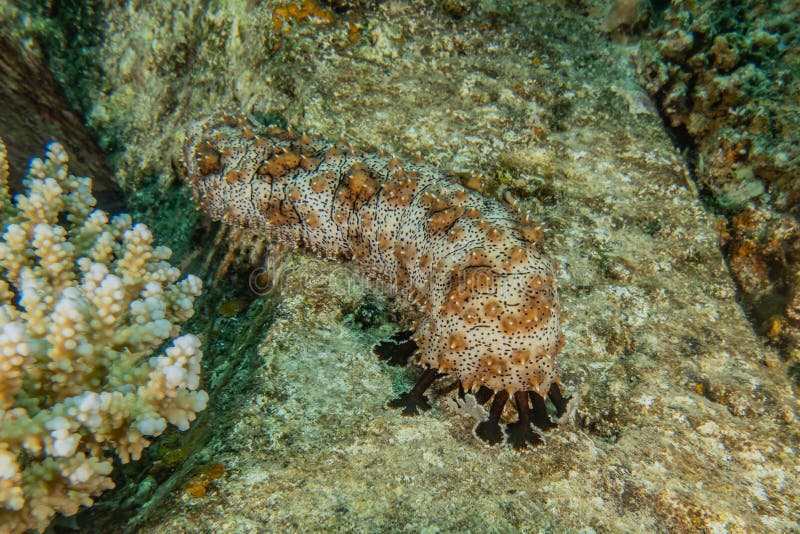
x: 479, y: 274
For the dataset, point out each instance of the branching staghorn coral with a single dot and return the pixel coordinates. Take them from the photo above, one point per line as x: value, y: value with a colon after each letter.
x: 84, y: 302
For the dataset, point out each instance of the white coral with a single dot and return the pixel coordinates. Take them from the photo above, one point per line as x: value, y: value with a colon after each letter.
x: 83, y: 305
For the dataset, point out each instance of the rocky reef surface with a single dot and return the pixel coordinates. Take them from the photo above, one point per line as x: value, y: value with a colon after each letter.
x: 726, y: 76
x: 682, y: 419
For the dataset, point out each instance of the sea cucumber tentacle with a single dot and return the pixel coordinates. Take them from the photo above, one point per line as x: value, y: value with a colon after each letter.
x: 477, y: 271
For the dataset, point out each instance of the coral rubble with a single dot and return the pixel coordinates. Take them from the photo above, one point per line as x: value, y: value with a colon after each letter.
x: 725, y: 75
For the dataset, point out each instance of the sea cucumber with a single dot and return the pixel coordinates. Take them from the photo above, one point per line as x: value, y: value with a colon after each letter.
x: 474, y: 266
